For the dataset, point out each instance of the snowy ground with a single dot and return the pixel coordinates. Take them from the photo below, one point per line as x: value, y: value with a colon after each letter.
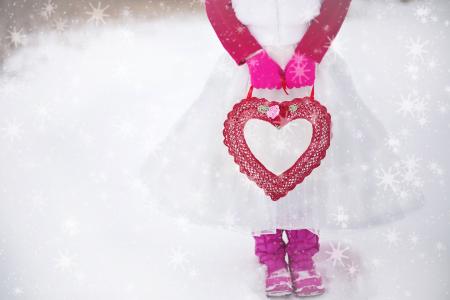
x: 79, y: 112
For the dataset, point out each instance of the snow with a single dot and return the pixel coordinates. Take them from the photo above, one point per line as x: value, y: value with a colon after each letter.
x: 80, y: 110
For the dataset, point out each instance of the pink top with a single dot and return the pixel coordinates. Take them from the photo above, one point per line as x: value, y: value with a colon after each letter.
x: 240, y: 43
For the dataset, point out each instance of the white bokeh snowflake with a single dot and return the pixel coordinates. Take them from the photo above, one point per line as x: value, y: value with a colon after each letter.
x: 97, y: 13
x: 17, y: 37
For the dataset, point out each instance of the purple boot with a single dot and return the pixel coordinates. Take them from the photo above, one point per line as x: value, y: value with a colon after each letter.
x: 270, y: 249
x: 301, y: 247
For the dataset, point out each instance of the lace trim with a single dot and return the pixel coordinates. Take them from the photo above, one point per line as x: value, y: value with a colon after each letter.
x: 278, y: 114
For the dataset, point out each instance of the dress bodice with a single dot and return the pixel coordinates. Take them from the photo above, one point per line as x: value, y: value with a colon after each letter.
x: 276, y: 22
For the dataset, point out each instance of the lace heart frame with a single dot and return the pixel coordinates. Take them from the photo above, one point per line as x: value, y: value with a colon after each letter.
x: 278, y: 114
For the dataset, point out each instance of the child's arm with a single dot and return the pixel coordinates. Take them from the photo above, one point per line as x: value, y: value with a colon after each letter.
x: 323, y: 29
x: 234, y: 36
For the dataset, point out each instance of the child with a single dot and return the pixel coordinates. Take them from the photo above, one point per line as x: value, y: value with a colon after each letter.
x: 281, y: 47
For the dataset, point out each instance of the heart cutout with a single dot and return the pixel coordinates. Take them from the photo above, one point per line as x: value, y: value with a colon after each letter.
x: 277, y: 114
x: 277, y: 149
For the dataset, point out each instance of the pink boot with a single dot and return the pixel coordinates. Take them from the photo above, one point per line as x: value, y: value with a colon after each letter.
x: 301, y: 247
x: 270, y: 248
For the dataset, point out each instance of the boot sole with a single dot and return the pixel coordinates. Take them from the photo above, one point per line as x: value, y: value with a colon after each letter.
x: 310, y: 291
x: 278, y: 294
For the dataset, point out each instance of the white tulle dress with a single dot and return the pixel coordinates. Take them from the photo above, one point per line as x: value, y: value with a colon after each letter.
x: 191, y: 175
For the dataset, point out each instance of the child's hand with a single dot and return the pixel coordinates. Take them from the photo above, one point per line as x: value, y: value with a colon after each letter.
x: 265, y: 73
x: 300, y: 71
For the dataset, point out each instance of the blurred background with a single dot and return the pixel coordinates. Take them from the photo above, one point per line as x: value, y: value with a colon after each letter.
x: 20, y: 18
x: 27, y: 16
x: 88, y: 88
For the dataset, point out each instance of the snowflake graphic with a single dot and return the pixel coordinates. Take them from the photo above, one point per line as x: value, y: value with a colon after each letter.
x: 300, y: 68
x: 440, y: 247
x: 126, y: 128
x: 230, y: 219
x: 413, y: 70
x: 435, y: 168
x: 388, y: 179
x: 392, y: 237
x: 71, y: 227
x: 411, y: 163
x: 17, y: 37
x: 17, y: 291
x: 423, y: 13
x: 393, y: 143
x: 126, y: 12
x: 352, y: 270
x: 48, y: 9
x: 240, y: 29
x: 407, y: 105
x: 178, y: 259
x: 12, y: 130
x: 414, y: 239
x: 65, y: 262
x: 409, y: 170
x: 337, y: 254
x: 60, y: 25
x: 341, y: 217
x: 97, y: 13
x: 281, y: 147
x: 432, y: 64
x: 417, y: 49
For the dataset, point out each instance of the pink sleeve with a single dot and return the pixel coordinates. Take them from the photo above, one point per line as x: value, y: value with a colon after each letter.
x: 234, y: 36
x: 323, y: 29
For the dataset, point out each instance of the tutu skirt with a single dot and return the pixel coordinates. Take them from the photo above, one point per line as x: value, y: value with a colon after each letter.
x: 359, y: 183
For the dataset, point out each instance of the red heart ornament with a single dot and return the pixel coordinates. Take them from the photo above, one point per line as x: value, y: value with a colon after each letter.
x: 278, y: 114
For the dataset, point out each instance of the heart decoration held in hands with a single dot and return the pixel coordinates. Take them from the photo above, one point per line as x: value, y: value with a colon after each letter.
x: 278, y: 114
